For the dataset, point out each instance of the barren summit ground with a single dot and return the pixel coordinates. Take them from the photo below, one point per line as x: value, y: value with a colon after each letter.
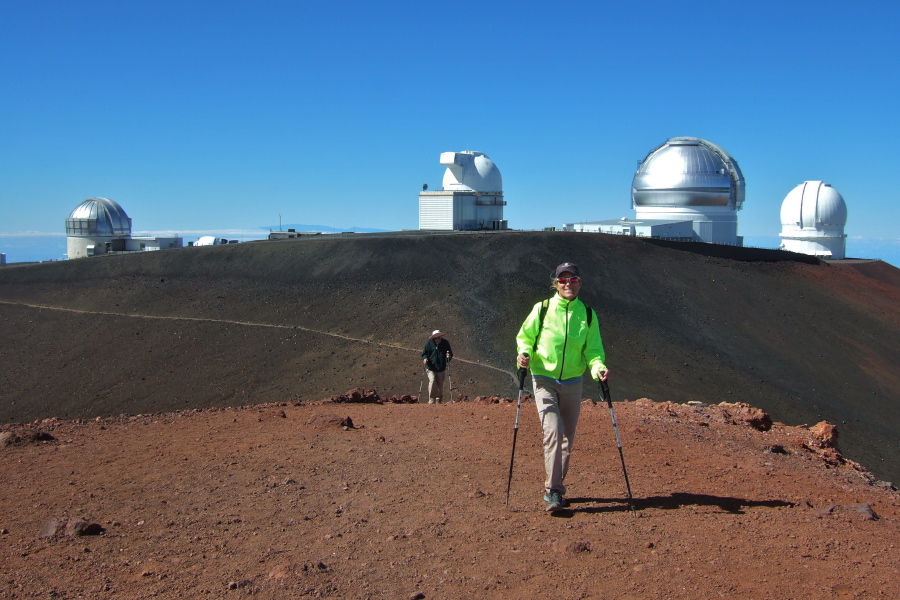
x: 302, y: 320
x: 282, y: 502
x: 173, y: 408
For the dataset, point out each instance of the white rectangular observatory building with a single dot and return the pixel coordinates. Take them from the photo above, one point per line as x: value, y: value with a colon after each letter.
x: 471, y: 198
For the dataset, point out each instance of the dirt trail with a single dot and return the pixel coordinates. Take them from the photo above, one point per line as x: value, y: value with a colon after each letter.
x: 243, y: 323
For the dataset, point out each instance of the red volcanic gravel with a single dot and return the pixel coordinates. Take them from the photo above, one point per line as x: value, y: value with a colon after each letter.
x: 283, y: 501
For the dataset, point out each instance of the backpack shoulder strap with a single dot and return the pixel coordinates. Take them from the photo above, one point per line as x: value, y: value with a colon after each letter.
x: 590, y: 318
x: 590, y: 313
x: 544, y: 306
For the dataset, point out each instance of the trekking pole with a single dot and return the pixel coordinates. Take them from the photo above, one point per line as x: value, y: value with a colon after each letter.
x: 421, y: 383
x: 522, y: 372
x: 450, y: 379
x: 604, y: 389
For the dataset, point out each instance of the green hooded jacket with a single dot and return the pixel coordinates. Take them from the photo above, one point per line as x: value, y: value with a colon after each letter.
x: 566, y: 345
x: 437, y: 355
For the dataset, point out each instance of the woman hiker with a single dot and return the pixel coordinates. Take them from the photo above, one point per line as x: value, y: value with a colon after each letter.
x: 559, y: 339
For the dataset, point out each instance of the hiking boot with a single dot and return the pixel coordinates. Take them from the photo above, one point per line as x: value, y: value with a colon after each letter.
x: 562, y: 501
x: 554, y: 501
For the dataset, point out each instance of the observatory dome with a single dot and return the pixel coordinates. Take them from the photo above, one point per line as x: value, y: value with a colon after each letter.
x: 813, y: 216
x: 813, y: 205
x: 471, y: 171
x: 98, y: 217
x: 688, y: 172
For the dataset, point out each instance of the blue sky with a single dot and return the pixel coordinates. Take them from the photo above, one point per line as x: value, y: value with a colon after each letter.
x: 209, y: 116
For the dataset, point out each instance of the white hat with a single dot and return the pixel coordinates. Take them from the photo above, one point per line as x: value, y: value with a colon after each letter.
x: 437, y: 333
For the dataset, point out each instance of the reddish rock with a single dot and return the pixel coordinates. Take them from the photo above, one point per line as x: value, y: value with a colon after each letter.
x: 325, y: 421
x: 865, y: 510
x: 79, y: 527
x: 23, y: 437
x: 825, y: 434
x: 755, y: 418
x: 667, y: 408
x: 365, y: 395
x: 282, y: 571
x: 831, y: 455
x: 488, y: 399
x: 572, y: 547
x: 356, y: 395
x: 741, y: 413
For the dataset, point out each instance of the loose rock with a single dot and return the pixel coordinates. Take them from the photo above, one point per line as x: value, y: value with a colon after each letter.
x: 50, y: 528
x: 825, y: 434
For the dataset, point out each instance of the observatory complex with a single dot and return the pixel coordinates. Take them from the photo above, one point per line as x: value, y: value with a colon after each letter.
x: 687, y: 188
x: 471, y: 197
x: 813, y: 216
x: 100, y: 225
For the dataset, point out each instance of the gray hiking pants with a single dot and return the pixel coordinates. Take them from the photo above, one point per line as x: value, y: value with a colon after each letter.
x: 559, y: 406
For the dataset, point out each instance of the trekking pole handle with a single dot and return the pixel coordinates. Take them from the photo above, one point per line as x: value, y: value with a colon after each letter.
x: 604, y: 387
x: 522, y: 372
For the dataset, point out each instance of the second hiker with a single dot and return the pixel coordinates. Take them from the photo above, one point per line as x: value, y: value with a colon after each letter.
x: 436, y: 356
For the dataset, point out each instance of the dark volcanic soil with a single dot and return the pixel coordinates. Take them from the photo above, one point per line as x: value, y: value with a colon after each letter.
x: 301, y: 320
x: 280, y: 501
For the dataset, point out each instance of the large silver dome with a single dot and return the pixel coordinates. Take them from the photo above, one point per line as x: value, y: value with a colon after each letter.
x: 688, y: 171
x: 98, y: 217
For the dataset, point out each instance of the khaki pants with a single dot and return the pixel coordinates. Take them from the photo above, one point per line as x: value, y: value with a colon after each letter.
x: 558, y: 407
x: 436, y: 386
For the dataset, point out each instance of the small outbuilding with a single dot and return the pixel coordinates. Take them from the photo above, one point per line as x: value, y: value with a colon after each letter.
x: 671, y: 230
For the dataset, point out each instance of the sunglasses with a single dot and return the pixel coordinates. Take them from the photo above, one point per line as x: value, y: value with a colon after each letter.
x: 565, y: 280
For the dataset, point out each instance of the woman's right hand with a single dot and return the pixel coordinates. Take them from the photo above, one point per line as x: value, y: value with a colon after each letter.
x: 522, y: 360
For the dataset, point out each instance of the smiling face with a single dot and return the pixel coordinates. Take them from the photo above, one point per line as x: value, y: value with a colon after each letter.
x: 566, y: 286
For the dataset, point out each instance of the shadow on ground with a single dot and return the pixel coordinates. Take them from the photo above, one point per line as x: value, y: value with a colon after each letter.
x: 673, y: 501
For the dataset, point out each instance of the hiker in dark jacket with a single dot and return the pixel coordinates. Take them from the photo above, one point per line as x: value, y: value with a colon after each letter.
x: 558, y: 341
x: 436, y: 356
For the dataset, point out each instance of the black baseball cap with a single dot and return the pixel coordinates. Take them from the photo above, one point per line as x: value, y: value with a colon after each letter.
x: 567, y: 266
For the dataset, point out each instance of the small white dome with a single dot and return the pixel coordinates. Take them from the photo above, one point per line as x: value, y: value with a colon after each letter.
x: 813, y: 205
x: 98, y: 217
x: 813, y: 216
x: 471, y: 171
